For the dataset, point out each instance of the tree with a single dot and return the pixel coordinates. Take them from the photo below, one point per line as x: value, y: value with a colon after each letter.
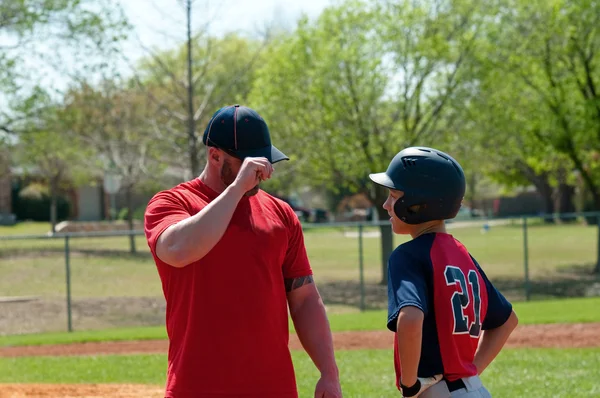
x: 47, y: 152
x: 498, y: 135
x: 112, y: 120
x: 189, y: 83
x: 347, y: 92
x: 557, y: 61
x: 46, y: 33
x: 548, y: 52
x: 41, y: 28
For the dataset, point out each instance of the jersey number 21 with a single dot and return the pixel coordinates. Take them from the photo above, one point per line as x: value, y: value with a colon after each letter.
x: 463, y: 298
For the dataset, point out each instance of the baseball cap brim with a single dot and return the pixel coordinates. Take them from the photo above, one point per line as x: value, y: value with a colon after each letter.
x: 270, y: 152
x: 382, y: 179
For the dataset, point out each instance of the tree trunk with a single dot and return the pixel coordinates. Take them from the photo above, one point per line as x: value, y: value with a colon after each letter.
x: 192, y: 139
x: 542, y: 185
x: 565, y: 203
x: 545, y: 190
x: 129, y: 198
x: 597, y: 269
x: 472, y: 189
x: 53, y: 202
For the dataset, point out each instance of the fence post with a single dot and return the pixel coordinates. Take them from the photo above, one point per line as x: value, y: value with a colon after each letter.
x: 361, y: 267
x: 597, y: 270
x: 68, y: 277
x: 526, y: 260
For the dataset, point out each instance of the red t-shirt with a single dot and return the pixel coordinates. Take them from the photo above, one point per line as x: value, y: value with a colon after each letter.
x: 227, y: 314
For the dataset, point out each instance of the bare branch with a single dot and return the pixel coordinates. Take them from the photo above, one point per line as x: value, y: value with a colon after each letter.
x: 241, y: 72
x: 159, y: 62
x: 204, y: 104
x: 8, y: 130
x: 364, y: 136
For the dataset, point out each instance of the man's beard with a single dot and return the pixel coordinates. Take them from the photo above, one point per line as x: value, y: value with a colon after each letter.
x: 227, y: 177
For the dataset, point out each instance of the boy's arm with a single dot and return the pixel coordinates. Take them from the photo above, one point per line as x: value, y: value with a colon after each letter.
x: 407, y: 308
x: 492, y: 341
x: 409, y: 334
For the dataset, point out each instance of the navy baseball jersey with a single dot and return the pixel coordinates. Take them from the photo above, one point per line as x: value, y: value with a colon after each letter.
x: 435, y: 273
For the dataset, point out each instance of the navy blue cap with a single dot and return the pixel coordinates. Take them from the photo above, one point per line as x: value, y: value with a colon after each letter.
x: 241, y: 132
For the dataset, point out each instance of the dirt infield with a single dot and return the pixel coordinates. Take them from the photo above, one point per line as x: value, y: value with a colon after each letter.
x: 80, y: 391
x: 542, y: 336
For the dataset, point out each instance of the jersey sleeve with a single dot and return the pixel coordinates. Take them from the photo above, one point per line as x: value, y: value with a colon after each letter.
x: 406, y: 286
x: 498, y: 309
x: 163, y: 210
x: 295, y: 263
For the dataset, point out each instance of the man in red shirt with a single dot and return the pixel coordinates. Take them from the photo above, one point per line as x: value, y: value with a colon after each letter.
x: 231, y: 258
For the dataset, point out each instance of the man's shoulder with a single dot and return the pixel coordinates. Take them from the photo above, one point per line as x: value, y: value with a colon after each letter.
x: 274, y: 202
x: 184, y: 194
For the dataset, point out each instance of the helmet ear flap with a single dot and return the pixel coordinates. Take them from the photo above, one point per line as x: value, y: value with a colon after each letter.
x: 399, y: 209
x: 409, y: 213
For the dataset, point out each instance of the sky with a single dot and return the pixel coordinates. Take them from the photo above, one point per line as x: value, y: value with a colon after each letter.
x: 160, y: 24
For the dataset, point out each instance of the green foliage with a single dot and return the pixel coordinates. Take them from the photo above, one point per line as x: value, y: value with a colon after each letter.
x: 223, y: 69
x: 35, y: 191
x: 43, y: 148
x: 33, y: 203
x: 138, y: 214
x: 538, y: 101
x: 87, y: 26
x: 112, y: 121
x: 343, y: 94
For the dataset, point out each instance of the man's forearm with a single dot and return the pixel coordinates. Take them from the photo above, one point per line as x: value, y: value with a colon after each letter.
x: 312, y: 328
x: 492, y: 342
x: 191, y: 239
x: 410, y: 333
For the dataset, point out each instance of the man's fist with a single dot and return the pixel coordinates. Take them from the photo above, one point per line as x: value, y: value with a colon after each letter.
x: 252, y: 171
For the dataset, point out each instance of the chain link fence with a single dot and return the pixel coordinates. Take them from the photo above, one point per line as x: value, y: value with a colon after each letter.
x: 98, y: 280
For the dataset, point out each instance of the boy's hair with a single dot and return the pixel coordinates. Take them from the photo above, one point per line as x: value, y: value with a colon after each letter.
x: 432, y: 181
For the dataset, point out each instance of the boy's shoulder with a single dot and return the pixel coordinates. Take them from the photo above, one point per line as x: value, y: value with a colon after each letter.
x: 417, y: 249
x: 422, y: 242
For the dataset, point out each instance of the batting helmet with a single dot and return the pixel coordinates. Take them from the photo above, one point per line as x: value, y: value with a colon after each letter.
x: 432, y: 181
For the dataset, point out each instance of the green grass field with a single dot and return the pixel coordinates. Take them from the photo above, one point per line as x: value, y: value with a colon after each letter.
x: 364, y: 373
x: 367, y: 373
x: 103, y: 267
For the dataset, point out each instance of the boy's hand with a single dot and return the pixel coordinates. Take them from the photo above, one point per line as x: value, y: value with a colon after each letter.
x: 422, y: 384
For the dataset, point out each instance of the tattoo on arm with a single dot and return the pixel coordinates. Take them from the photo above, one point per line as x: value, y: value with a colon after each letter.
x: 295, y: 283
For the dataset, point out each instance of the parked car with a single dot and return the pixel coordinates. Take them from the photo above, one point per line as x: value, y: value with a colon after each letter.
x: 305, y: 214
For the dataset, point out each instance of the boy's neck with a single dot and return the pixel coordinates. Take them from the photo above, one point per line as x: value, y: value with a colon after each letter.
x: 437, y: 226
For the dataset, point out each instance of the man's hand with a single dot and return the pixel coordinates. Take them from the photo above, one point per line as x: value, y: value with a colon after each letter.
x: 422, y: 384
x: 328, y: 387
x: 252, y: 171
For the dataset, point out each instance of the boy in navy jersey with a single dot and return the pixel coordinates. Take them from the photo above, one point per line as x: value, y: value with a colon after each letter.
x: 450, y: 322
